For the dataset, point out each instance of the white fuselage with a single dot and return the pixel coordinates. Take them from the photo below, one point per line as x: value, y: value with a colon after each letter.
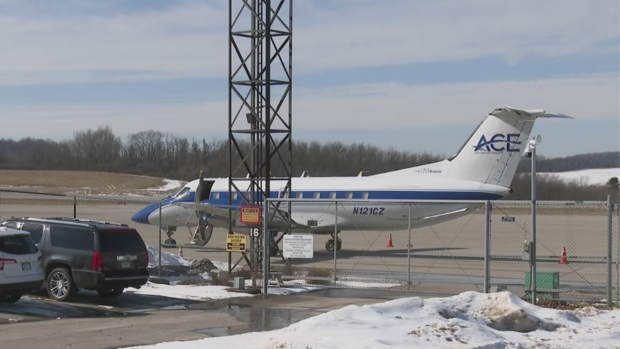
x: 351, y: 203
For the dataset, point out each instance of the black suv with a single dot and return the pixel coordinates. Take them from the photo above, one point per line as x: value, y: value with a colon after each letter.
x: 84, y: 254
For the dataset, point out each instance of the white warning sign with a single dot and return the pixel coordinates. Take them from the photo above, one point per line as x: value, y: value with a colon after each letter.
x: 298, y: 246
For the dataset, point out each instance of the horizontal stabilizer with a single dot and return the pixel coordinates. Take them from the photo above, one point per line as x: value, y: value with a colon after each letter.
x: 539, y: 113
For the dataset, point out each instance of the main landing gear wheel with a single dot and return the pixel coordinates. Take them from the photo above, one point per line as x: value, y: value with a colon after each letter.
x: 329, y: 245
x: 274, y: 250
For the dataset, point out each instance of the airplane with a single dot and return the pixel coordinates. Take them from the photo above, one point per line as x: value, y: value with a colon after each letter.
x: 482, y: 169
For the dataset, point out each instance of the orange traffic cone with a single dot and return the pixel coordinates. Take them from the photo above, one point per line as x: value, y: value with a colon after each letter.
x: 181, y: 251
x: 563, y: 260
x: 389, y: 244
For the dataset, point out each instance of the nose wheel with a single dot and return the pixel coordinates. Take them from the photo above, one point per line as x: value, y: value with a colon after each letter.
x: 329, y: 245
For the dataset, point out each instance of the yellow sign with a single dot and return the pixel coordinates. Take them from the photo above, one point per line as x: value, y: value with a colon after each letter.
x: 250, y: 215
x: 236, y: 242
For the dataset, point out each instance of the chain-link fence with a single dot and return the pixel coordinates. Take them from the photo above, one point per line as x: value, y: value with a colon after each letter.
x: 444, y: 247
x: 170, y: 251
x: 433, y: 246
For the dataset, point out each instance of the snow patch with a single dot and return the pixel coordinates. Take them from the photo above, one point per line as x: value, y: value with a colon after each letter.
x: 463, y: 321
x: 170, y: 185
x: 167, y: 258
x: 190, y: 292
x: 598, y: 176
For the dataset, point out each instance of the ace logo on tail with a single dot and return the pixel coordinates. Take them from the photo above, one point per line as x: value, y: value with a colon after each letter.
x: 508, y: 143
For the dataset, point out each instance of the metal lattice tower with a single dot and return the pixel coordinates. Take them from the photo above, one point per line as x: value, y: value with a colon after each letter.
x: 260, y: 52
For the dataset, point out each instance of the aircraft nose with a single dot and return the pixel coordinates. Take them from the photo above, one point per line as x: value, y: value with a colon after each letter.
x: 142, y: 216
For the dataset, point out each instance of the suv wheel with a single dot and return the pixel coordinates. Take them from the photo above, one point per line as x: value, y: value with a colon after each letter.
x: 110, y: 292
x: 10, y: 298
x: 60, y: 285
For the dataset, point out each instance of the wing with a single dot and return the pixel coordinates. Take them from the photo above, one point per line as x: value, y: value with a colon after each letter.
x: 211, y: 210
x: 323, y: 223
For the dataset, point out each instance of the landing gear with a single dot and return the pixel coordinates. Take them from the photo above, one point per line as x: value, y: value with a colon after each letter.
x: 170, y: 242
x: 329, y: 245
x: 273, y: 246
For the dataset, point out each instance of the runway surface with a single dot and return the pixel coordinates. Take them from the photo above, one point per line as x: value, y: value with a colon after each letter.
x: 441, y: 256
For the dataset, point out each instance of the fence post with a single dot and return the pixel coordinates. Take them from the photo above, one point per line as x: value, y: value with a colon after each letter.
x: 610, y: 222
x: 487, y: 247
x: 533, y: 249
x: 74, y: 206
x: 159, y: 245
x: 266, y: 245
x: 335, y: 242
x: 618, y: 259
x: 409, y: 250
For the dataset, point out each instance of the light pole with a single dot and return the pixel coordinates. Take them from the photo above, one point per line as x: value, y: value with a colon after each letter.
x: 531, y: 153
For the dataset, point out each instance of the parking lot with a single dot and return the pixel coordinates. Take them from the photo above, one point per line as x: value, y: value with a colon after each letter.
x: 37, y: 323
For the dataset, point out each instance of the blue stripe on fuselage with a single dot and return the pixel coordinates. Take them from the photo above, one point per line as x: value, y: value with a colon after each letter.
x: 372, y: 195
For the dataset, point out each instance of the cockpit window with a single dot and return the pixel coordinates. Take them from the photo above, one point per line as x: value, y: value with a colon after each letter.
x: 182, y: 194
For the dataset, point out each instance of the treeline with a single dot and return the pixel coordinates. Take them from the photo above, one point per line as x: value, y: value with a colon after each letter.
x: 162, y: 154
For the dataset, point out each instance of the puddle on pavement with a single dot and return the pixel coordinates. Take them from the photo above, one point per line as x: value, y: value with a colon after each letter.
x: 256, y: 319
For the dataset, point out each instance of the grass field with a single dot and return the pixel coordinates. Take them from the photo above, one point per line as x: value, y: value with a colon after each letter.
x: 84, y: 182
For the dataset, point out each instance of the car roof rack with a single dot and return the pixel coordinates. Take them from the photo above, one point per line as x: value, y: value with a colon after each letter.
x: 71, y: 219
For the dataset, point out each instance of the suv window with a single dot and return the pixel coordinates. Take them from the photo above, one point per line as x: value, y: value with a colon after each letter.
x: 120, y: 240
x: 17, y: 244
x: 36, y: 231
x: 10, y: 224
x: 72, y: 237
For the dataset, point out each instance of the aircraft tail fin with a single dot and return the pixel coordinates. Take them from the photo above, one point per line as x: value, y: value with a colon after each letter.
x: 493, y: 152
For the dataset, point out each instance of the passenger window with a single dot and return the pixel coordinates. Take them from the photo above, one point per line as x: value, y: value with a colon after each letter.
x: 35, y: 230
x: 300, y: 195
x: 72, y: 237
x: 332, y: 195
x: 365, y: 195
x: 349, y: 195
x: 317, y: 195
x: 216, y: 196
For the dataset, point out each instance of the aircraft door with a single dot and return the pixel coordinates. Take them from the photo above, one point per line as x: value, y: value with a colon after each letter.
x: 203, y: 190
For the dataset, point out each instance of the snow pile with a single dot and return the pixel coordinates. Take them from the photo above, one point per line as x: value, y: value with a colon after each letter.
x: 167, y: 258
x: 469, y: 320
x: 598, y: 176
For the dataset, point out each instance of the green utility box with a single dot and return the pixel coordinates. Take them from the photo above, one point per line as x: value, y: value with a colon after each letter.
x: 545, y: 280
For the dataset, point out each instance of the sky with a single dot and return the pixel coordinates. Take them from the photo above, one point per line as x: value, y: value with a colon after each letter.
x: 405, y: 74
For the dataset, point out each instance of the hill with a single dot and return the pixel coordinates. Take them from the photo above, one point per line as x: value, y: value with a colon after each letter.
x: 85, y: 183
